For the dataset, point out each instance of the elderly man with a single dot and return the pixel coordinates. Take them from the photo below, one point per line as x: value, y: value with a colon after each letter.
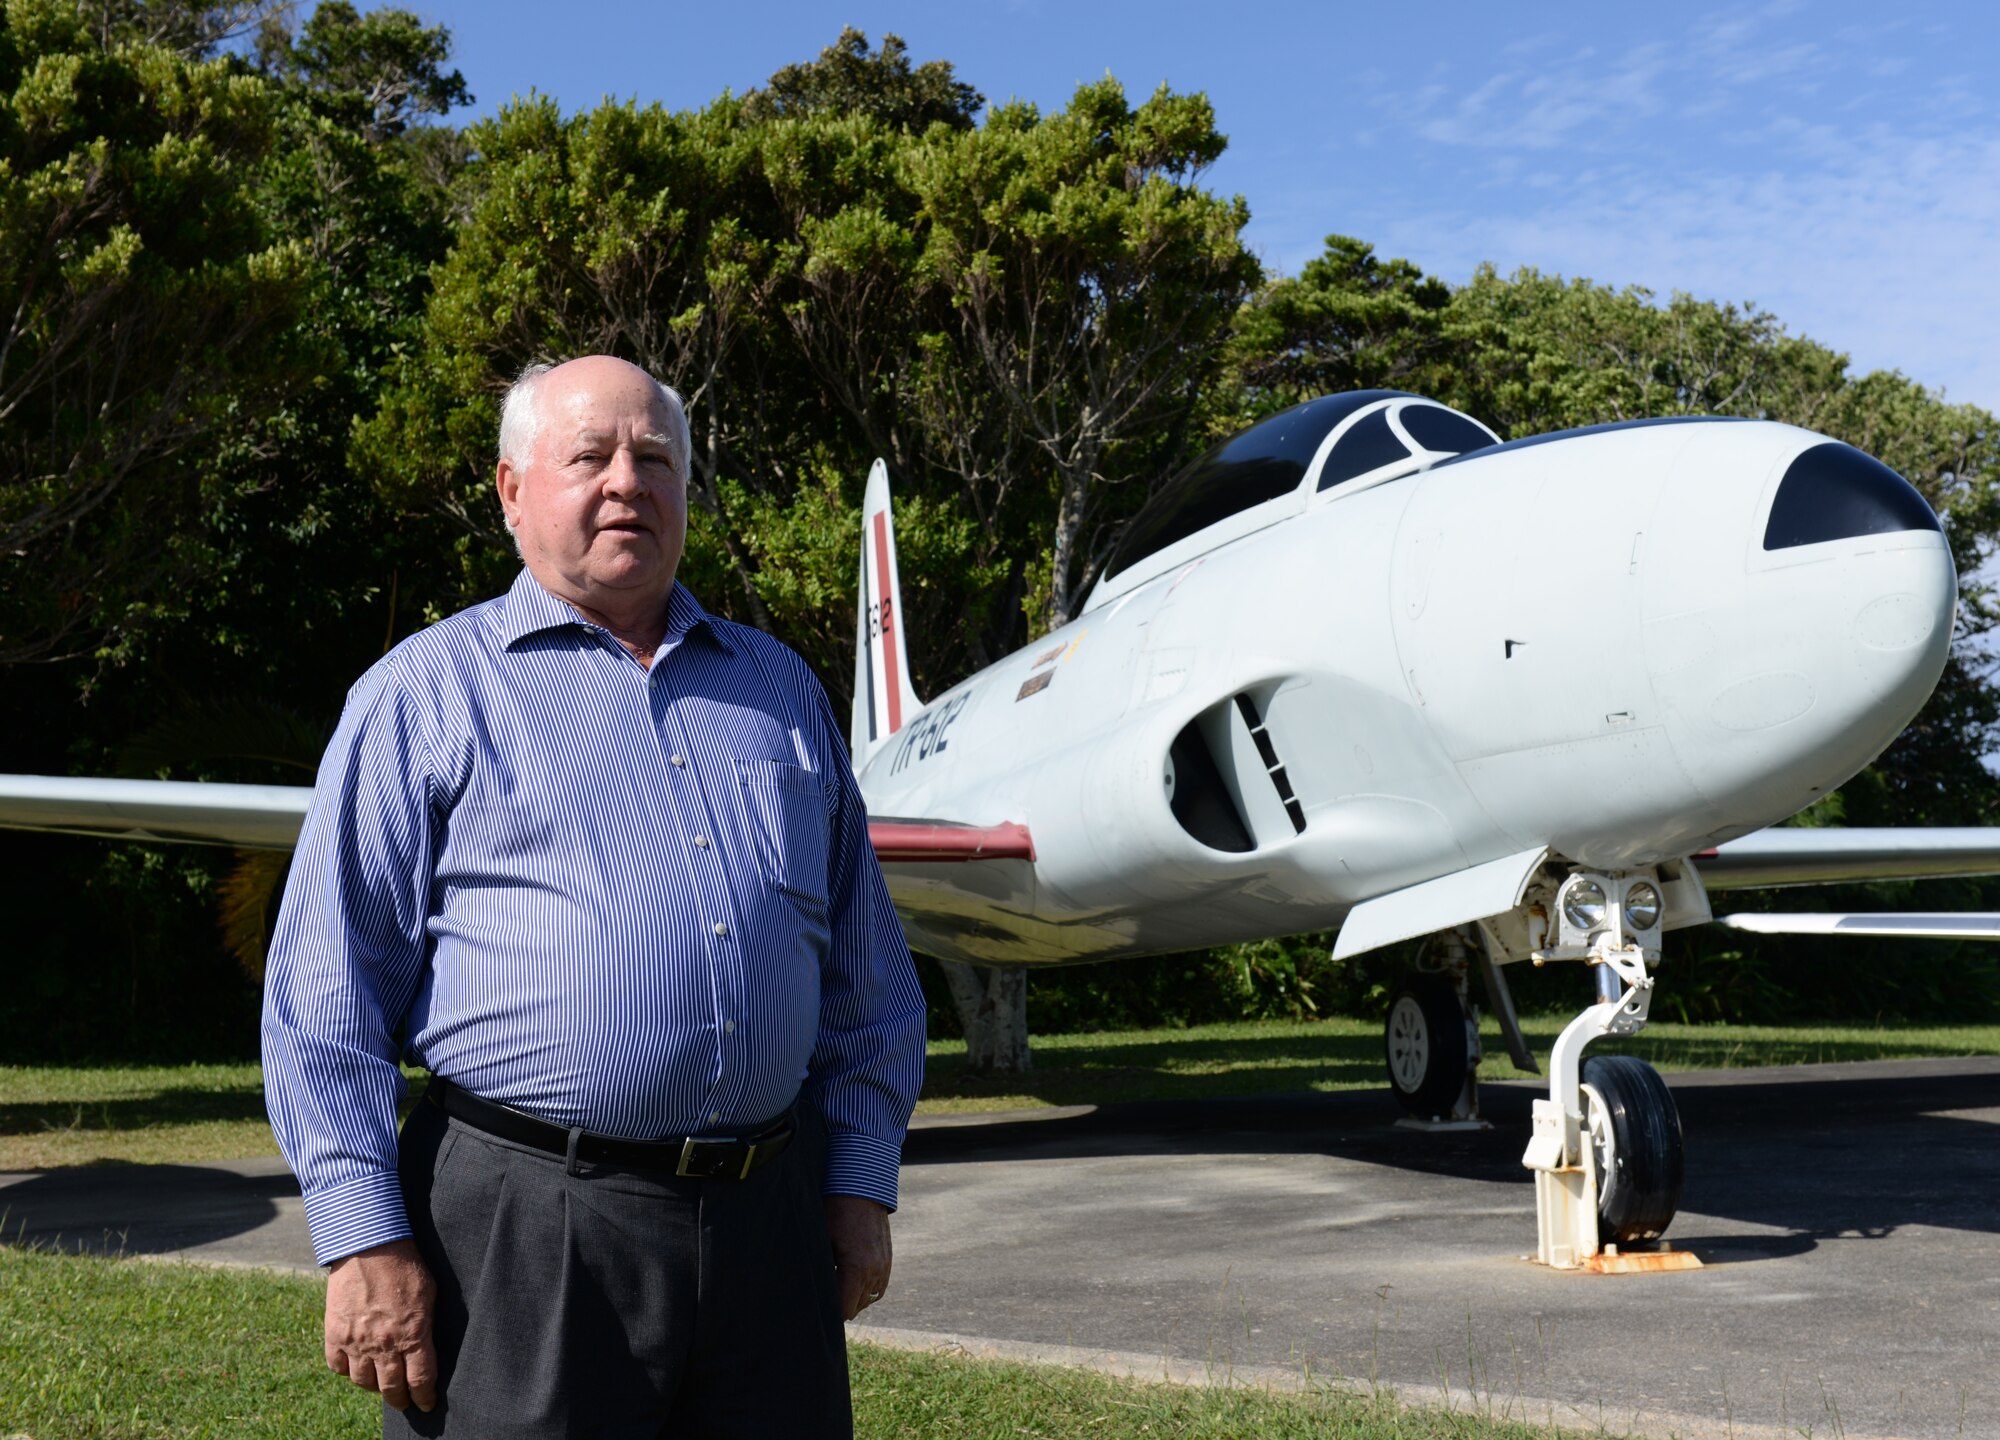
x: 595, y: 859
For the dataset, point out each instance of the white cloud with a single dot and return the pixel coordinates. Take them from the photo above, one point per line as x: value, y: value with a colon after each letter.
x: 1752, y: 157
x: 1888, y: 249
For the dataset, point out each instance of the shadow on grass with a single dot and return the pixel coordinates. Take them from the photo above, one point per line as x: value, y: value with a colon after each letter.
x: 136, y: 1112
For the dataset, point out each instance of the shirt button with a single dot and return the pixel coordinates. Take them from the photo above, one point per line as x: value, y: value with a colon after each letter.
x: 729, y: 1027
x: 701, y: 842
x: 676, y: 761
x: 721, y: 930
x: 715, y: 1117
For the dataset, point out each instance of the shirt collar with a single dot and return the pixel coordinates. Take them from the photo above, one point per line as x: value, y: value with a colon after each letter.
x: 527, y: 609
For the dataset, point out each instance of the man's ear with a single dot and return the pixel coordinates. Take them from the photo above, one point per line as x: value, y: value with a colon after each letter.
x: 507, y: 480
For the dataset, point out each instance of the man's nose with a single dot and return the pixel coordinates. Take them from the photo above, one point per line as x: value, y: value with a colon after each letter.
x: 624, y: 477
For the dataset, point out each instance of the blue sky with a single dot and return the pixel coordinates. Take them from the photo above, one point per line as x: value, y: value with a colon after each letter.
x: 1835, y: 163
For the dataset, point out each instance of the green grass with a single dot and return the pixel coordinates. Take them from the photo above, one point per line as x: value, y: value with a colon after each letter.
x: 53, y: 1116
x: 1268, y: 1057
x: 106, y: 1349
x: 183, y: 1114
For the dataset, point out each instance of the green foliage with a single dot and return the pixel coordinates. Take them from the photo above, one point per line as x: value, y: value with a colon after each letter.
x: 1348, y: 321
x: 1293, y: 978
x: 375, y: 72
x: 263, y: 314
x: 1018, y: 316
x: 149, y: 312
x: 847, y: 80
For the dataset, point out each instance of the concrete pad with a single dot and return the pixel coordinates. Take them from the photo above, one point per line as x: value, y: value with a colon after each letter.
x: 1848, y: 1215
x: 227, y: 1212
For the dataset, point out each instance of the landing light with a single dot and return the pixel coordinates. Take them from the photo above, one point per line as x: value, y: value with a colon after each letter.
x: 1583, y: 904
x: 1642, y: 907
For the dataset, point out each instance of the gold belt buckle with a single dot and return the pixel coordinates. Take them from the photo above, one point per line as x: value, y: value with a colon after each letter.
x: 692, y: 1147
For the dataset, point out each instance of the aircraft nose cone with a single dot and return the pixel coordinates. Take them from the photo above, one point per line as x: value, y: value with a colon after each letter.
x: 1797, y: 639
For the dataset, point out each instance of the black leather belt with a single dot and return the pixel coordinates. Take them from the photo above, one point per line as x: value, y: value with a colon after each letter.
x: 702, y: 1157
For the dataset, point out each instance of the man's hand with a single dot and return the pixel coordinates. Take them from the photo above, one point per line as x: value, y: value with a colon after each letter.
x: 378, y: 1323
x: 859, y: 1230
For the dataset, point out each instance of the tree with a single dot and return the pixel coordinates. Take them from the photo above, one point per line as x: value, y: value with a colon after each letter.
x: 1086, y: 282
x: 1348, y: 321
x: 270, y: 570
x: 194, y: 29
x: 147, y: 308
x: 847, y: 80
x: 1019, y: 315
x: 377, y: 71
x: 626, y: 231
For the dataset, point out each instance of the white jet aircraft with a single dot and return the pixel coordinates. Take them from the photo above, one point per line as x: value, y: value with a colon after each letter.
x: 1364, y: 665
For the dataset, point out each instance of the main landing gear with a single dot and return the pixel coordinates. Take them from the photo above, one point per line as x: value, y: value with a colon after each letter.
x: 1606, y: 1147
x: 1431, y: 1039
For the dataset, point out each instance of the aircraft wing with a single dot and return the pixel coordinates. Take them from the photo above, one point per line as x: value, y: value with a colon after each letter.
x: 256, y: 817
x: 1776, y: 857
x: 267, y: 817
x: 1966, y: 925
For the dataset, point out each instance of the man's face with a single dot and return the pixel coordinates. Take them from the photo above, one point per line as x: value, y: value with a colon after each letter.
x: 600, y: 507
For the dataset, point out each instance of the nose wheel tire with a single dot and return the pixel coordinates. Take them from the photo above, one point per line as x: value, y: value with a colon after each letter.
x: 1424, y: 1043
x: 1634, y: 1129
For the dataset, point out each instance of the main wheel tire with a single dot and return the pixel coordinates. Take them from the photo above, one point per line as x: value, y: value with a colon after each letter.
x: 1425, y: 1047
x: 1635, y: 1131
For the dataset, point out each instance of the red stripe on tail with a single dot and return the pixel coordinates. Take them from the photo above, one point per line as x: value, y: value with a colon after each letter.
x: 885, y: 599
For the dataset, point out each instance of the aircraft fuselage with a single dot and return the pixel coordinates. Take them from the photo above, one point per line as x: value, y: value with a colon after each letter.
x: 1622, y: 644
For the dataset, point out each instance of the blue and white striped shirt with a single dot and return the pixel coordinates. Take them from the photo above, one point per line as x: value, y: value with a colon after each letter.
x: 637, y: 901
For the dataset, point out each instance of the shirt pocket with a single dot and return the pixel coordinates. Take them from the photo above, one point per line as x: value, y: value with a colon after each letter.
x: 787, y: 814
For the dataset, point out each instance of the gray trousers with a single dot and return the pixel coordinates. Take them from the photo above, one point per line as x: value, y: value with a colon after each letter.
x: 590, y: 1300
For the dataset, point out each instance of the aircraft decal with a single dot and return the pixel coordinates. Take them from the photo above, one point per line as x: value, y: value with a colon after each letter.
x: 1034, y: 685
x: 1046, y: 656
x: 926, y: 737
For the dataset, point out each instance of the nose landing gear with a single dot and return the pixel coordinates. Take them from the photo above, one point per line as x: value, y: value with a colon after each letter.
x: 1606, y: 1148
x: 1634, y: 1133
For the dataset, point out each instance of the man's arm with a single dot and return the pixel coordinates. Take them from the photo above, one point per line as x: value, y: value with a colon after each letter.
x: 344, y: 964
x: 868, y: 1062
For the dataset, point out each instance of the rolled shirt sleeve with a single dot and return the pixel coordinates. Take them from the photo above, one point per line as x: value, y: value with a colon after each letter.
x: 344, y: 964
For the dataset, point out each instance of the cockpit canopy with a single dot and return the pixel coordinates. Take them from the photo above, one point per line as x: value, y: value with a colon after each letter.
x: 1352, y: 441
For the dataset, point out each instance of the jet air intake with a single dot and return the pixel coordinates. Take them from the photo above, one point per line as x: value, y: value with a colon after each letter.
x: 1226, y: 783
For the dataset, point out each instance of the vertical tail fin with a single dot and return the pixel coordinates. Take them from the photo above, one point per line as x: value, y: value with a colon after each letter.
x: 884, y: 701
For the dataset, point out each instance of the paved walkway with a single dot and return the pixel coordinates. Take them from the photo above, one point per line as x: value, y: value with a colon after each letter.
x: 1849, y: 1216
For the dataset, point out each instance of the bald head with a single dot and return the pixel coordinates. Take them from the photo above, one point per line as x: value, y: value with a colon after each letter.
x: 520, y: 414
x: 593, y: 481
